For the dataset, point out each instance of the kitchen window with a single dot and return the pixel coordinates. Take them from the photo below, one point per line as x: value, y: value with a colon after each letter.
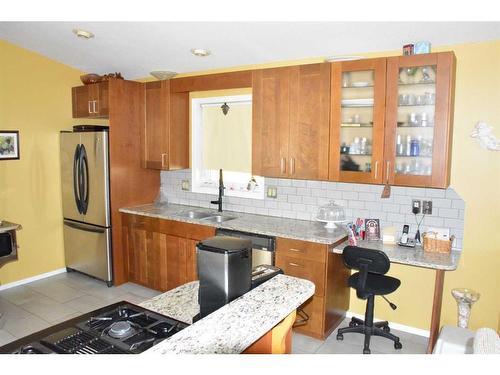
x: 222, y: 139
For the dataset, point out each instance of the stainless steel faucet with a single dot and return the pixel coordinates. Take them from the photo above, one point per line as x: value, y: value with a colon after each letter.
x: 221, y: 192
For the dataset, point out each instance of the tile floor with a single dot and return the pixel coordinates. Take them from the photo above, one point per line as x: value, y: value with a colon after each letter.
x: 35, y: 306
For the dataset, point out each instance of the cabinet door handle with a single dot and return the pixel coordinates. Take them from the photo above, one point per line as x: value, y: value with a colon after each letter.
x: 163, y: 163
x: 388, y: 167
x: 376, y: 169
x: 294, y: 264
x: 94, y: 105
x: 283, y: 165
x: 295, y: 250
x: 292, y: 165
x: 90, y: 109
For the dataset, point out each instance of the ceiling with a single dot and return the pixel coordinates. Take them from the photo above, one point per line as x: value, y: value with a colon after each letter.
x: 136, y: 48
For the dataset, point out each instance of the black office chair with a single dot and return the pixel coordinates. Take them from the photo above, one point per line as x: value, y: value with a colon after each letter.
x: 369, y: 282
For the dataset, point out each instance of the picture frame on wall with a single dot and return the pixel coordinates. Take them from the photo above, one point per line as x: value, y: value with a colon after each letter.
x: 9, y: 145
x: 372, y: 229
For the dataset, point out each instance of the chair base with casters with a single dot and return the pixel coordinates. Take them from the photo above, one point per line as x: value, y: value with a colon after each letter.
x: 369, y: 329
x: 369, y: 282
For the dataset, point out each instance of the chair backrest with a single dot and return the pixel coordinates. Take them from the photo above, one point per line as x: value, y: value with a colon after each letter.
x: 359, y: 258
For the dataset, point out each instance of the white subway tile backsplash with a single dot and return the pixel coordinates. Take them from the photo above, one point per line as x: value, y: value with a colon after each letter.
x: 350, y: 195
x: 451, y: 213
x: 299, y: 183
x: 458, y: 203
x: 301, y: 199
x: 295, y: 199
x: 435, y: 193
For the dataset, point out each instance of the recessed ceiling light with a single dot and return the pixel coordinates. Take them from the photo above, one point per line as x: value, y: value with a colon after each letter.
x: 83, y: 34
x: 201, y: 52
x: 163, y: 74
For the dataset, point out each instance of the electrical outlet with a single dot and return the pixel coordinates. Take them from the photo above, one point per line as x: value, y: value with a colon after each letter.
x: 272, y: 192
x: 415, y: 206
x: 185, y: 185
x: 427, y: 208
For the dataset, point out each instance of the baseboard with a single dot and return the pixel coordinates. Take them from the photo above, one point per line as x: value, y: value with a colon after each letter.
x: 31, y: 279
x: 399, y: 327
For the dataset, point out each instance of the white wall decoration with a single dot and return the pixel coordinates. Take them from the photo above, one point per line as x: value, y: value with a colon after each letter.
x: 484, y: 135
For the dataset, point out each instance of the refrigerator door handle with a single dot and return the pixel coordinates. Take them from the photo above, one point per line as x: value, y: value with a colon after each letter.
x: 84, y: 227
x: 85, y: 179
x: 76, y: 178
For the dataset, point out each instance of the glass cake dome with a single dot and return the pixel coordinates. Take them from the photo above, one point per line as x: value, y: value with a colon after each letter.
x: 331, y: 214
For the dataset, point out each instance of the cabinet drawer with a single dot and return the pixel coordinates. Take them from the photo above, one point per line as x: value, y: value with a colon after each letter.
x: 314, y: 308
x: 301, y: 249
x: 304, y: 269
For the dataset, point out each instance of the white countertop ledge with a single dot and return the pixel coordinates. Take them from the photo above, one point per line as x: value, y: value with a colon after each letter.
x: 237, y: 325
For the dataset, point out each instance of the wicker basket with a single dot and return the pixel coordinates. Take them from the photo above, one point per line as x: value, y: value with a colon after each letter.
x: 433, y: 245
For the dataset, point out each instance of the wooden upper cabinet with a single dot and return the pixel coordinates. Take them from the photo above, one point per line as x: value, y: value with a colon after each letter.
x: 291, y: 122
x: 419, y: 120
x: 270, y: 121
x: 91, y: 101
x: 165, y: 139
x: 309, y: 121
x: 357, y: 120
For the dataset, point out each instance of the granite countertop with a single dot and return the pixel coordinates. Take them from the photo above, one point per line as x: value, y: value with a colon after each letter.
x: 235, y: 326
x: 410, y: 256
x: 304, y: 230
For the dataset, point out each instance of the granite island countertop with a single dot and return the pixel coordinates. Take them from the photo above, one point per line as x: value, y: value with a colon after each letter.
x: 304, y: 230
x: 410, y: 256
x: 235, y: 326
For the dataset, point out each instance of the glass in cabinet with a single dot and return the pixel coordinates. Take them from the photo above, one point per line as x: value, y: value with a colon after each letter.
x: 418, y: 120
x: 357, y: 120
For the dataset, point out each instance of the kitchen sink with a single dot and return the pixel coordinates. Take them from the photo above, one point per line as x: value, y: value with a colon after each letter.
x: 218, y: 218
x: 195, y: 214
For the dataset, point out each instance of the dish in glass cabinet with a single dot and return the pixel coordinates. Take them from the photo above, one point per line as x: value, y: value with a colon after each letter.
x: 360, y: 84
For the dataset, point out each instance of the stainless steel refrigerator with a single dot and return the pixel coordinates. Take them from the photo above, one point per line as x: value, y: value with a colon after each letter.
x: 86, y: 204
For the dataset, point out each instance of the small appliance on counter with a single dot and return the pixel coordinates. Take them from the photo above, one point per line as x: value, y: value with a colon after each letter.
x: 224, y: 270
x: 120, y: 328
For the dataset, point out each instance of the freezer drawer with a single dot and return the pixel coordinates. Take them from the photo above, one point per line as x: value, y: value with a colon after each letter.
x: 88, y: 249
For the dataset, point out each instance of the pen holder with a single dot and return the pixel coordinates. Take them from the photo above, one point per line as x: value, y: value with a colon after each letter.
x: 433, y: 245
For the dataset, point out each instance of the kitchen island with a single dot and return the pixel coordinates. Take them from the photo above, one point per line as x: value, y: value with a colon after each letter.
x: 235, y: 326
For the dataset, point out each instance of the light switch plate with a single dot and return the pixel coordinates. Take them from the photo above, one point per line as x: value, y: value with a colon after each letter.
x: 272, y: 192
x: 427, y: 208
x: 185, y: 185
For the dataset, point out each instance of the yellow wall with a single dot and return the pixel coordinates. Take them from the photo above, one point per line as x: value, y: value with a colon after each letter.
x: 35, y: 98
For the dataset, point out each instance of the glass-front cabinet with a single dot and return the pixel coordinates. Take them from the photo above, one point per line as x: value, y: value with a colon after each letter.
x: 391, y: 120
x: 357, y: 120
x: 419, y: 105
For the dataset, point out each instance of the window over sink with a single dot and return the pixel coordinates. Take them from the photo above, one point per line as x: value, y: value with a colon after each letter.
x: 221, y: 131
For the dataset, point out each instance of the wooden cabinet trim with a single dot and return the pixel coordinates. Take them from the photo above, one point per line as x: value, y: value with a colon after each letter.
x: 219, y: 81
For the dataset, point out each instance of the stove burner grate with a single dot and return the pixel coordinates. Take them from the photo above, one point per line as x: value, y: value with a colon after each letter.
x: 120, y: 329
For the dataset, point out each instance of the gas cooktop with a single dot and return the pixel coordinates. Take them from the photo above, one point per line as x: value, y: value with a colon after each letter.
x: 120, y: 328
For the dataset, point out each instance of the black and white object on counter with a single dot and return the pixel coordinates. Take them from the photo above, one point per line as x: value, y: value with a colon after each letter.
x: 120, y: 328
x: 224, y: 270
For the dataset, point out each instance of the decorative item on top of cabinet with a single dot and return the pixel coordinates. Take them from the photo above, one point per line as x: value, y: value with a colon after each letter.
x: 291, y: 121
x: 357, y: 120
x: 165, y: 139
x: 91, y: 101
x: 419, y: 120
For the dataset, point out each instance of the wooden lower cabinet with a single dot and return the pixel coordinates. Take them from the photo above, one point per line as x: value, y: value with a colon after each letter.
x: 314, y: 262
x: 161, y: 254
